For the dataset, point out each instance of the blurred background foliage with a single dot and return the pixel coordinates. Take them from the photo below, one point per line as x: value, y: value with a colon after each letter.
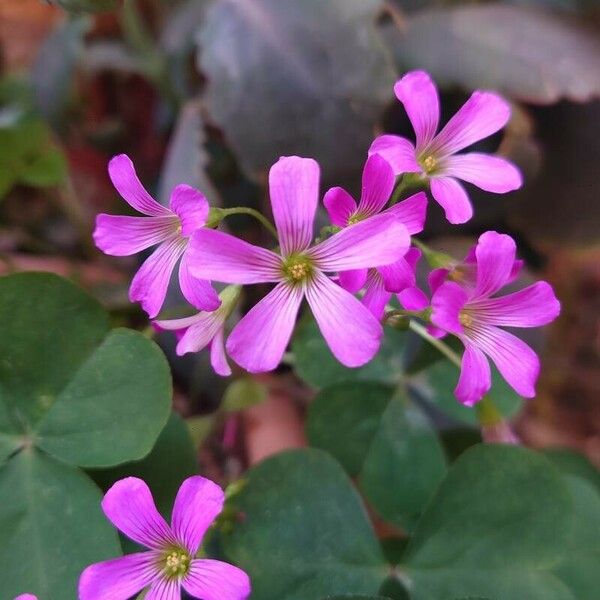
x: 211, y: 92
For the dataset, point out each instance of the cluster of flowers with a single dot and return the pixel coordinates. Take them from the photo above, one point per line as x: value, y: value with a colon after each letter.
x: 349, y: 277
x: 169, y: 564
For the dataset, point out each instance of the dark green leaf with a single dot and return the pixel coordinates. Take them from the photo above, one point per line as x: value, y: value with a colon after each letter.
x: 51, y: 527
x: 87, y: 5
x: 496, y: 527
x: 315, y: 364
x: 172, y: 460
x: 574, y: 464
x: 353, y: 597
x: 314, y: 74
x: 303, y: 531
x: 507, y: 48
x: 46, y: 169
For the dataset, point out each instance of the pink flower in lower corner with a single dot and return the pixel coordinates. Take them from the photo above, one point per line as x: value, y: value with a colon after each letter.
x: 169, y: 563
x: 471, y: 312
x: 26, y: 597
x: 435, y: 154
x: 377, y: 185
x: 205, y: 329
x: 169, y: 228
x: 258, y: 341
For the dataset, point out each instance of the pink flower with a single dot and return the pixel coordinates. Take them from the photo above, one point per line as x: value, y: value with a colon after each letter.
x: 258, y: 341
x: 169, y: 564
x: 26, y: 597
x: 469, y: 311
x: 377, y: 186
x: 434, y: 156
x: 205, y: 329
x: 169, y: 228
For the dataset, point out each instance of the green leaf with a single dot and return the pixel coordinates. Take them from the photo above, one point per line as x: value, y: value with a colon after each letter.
x: 78, y: 6
x: 484, y: 47
x: 315, y: 364
x: 436, y: 385
x: 390, y: 446
x: 579, y: 568
x: 114, y: 408
x: 51, y: 527
x: 303, y: 531
x: 325, y: 79
x: 87, y: 396
x: 404, y: 465
x: 243, y: 393
x: 496, y: 527
x: 354, y: 597
x: 172, y: 460
x: 9, y: 434
x: 47, y: 169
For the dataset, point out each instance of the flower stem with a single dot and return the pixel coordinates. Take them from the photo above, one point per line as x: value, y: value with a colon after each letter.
x: 244, y: 210
x: 452, y: 356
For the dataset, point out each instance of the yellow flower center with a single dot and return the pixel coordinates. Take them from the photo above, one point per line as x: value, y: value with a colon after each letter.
x: 297, y: 268
x: 176, y: 563
x: 355, y: 218
x: 466, y: 320
x: 429, y: 163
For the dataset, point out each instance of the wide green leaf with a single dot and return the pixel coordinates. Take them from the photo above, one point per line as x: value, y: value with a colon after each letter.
x: 579, y: 568
x: 496, y: 527
x: 315, y: 364
x: 172, y: 460
x: 303, y: 531
x: 324, y: 80
x: 388, y: 444
x: 86, y: 395
x: 51, y: 527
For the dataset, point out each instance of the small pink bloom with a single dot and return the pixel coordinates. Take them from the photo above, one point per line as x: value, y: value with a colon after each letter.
x: 468, y: 310
x: 377, y: 186
x: 170, y: 228
x: 434, y: 155
x: 205, y: 329
x: 169, y: 564
x: 26, y: 597
x: 258, y: 341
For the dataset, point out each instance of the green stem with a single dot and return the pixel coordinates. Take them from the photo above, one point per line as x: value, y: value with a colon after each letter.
x: 434, y: 258
x: 452, y: 356
x: 243, y: 210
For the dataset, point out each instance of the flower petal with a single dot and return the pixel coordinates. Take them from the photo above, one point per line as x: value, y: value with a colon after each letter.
x: 216, y: 580
x: 533, y: 306
x: 373, y: 242
x: 378, y: 181
x: 124, y: 236
x: 446, y: 304
x: 475, y: 376
x: 516, y: 361
x: 294, y: 191
x: 164, y: 589
x: 217, y: 256
x: 259, y: 340
x: 198, y: 502
x: 218, y: 358
x: 436, y: 277
x: 398, y: 151
x: 397, y: 276
x: 412, y: 298
x: 198, y: 292
x: 352, y: 333
x: 419, y: 95
x: 495, y: 254
x: 122, y: 174
x: 453, y: 198
x: 481, y: 115
x: 118, y: 579
x: 199, y: 330
x: 191, y: 206
x: 26, y: 597
x: 410, y: 212
x: 490, y: 173
x: 129, y: 506
x: 353, y: 281
x: 375, y: 298
x: 149, y: 285
x: 340, y: 206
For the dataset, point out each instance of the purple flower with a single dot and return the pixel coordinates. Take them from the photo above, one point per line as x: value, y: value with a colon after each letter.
x: 26, y: 597
x: 169, y: 564
x: 258, y: 341
x: 469, y: 311
x: 205, y: 329
x: 377, y: 185
x: 434, y: 156
x: 169, y: 228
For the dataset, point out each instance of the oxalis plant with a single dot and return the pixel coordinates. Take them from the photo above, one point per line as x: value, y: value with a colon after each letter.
x: 82, y: 405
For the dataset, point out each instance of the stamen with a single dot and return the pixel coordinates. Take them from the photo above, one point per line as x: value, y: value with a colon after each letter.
x: 176, y: 563
x: 297, y: 268
x: 355, y: 218
x: 429, y: 163
x: 466, y: 320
